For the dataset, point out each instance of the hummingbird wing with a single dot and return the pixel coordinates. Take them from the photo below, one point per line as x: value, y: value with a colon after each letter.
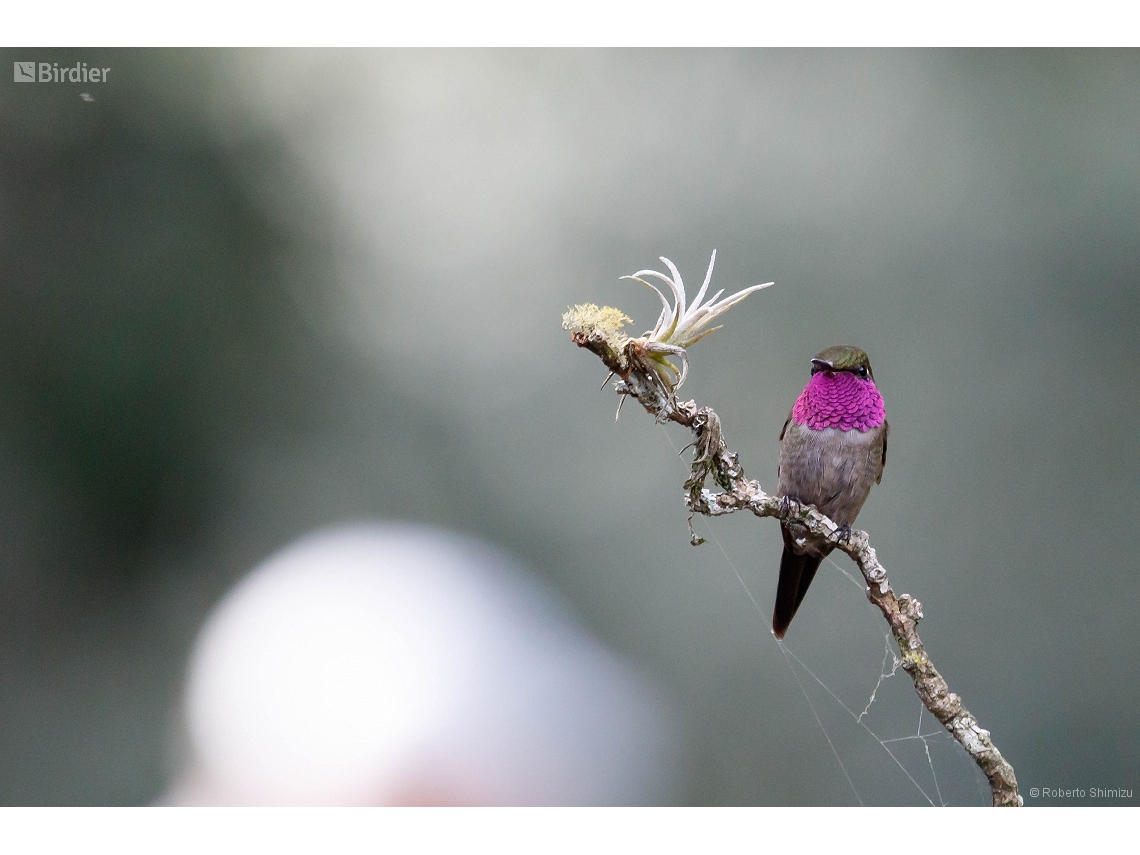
x: 883, y: 456
x: 784, y: 429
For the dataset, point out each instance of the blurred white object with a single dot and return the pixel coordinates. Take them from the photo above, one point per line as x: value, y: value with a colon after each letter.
x: 398, y: 664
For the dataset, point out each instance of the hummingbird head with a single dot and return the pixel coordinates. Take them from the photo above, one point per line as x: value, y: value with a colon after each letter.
x: 842, y: 357
x: 841, y: 392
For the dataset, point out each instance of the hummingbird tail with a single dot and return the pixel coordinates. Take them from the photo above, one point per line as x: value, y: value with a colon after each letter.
x: 796, y: 573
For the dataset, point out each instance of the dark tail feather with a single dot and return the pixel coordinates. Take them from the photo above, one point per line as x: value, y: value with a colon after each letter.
x: 796, y: 573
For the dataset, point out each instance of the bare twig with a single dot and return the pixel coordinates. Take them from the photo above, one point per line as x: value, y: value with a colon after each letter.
x: 631, y: 362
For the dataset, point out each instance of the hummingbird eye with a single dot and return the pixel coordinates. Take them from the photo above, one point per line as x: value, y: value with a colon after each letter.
x: 862, y: 371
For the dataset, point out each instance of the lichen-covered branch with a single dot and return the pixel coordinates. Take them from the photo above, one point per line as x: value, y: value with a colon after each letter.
x: 639, y: 379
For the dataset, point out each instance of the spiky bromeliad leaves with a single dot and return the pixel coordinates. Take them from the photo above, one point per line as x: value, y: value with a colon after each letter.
x: 680, y: 325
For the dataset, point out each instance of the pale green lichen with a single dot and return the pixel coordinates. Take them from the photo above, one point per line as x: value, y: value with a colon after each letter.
x: 591, y: 320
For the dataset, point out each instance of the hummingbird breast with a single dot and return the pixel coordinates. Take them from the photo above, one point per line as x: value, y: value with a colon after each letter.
x: 831, y: 468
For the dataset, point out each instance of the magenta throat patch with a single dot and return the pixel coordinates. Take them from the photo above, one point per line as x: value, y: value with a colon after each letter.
x: 840, y: 400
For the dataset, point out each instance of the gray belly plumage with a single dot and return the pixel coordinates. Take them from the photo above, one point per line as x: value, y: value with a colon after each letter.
x: 831, y: 469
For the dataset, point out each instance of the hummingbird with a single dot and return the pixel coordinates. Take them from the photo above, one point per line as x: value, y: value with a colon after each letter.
x: 832, y: 448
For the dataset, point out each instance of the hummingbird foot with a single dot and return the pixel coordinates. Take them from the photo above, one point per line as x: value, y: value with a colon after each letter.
x: 843, y: 534
x: 785, y: 506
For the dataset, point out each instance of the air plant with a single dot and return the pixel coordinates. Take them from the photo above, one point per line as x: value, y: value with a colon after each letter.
x: 680, y: 325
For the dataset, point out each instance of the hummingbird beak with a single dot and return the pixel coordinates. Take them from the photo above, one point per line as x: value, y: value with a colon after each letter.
x: 822, y: 365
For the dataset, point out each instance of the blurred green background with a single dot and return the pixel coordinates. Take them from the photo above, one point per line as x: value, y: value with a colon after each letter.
x: 244, y: 294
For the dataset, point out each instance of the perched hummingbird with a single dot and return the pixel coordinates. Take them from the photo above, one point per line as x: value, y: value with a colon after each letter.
x: 832, y: 448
